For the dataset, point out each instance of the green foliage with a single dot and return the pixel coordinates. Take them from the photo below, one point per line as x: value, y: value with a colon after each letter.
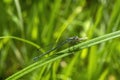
x: 30, y: 25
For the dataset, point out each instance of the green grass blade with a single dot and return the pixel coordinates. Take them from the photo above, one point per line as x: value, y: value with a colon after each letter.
x: 23, y: 40
x: 19, y: 14
x: 92, y: 42
x: 57, y: 56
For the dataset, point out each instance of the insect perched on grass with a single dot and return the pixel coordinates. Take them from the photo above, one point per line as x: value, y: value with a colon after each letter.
x: 72, y: 40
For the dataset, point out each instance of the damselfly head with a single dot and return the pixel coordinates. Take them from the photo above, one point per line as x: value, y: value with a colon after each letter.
x: 77, y: 39
x: 74, y: 38
x: 83, y: 38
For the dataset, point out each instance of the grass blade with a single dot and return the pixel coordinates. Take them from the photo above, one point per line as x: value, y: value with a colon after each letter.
x: 57, y: 56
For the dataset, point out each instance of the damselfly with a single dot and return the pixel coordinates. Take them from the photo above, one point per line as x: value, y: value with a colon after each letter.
x: 73, y: 39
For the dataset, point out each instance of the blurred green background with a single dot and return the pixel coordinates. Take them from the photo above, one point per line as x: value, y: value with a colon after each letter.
x: 48, y: 22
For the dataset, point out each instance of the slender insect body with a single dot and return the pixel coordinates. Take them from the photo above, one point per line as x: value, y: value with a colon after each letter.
x: 72, y: 40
